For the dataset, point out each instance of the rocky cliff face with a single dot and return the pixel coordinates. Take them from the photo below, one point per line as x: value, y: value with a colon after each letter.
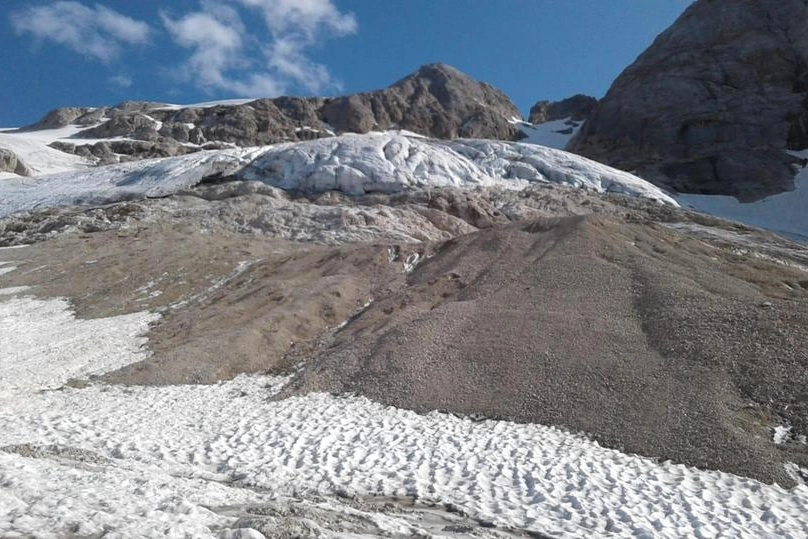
x: 577, y: 108
x: 437, y: 101
x: 714, y: 103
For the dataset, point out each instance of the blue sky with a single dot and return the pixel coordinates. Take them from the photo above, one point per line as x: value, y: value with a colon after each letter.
x: 93, y: 53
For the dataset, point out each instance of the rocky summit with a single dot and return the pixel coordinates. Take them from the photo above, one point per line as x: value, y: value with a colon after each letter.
x: 713, y: 105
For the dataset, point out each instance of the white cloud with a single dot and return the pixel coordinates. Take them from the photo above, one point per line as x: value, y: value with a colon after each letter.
x: 306, y: 16
x: 223, y: 51
x: 121, y: 81
x: 217, y: 46
x: 96, y: 31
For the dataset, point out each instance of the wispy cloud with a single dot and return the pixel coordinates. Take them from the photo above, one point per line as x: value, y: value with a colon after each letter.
x: 222, y: 51
x: 308, y: 17
x: 98, y: 32
x: 121, y: 81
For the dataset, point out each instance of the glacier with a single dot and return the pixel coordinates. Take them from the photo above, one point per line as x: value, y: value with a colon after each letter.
x: 354, y: 164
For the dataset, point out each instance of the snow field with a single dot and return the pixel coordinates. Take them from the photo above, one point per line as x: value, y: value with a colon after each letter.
x: 32, y: 148
x: 528, y: 476
x: 552, y: 134
x: 112, y: 183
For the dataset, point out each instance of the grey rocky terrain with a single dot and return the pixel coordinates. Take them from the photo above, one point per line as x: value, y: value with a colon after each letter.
x: 437, y: 101
x: 713, y: 104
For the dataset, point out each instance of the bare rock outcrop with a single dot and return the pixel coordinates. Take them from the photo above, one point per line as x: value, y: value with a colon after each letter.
x: 577, y: 108
x: 437, y: 101
x: 58, y: 118
x: 713, y: 104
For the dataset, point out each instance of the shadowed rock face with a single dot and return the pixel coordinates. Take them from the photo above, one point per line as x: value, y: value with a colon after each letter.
x: 437, y: 101
x: 577, y: 108
x: 711, y: 106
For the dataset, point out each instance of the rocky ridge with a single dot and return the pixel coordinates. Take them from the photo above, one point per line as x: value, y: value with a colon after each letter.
x: 437, y: 101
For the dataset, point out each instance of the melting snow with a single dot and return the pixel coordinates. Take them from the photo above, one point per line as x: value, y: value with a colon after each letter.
x: 12, y: 290
x: 782, y: 433
x: 173, y: 447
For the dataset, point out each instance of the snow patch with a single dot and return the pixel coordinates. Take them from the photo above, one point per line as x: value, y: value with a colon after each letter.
x: 783, y: 213
x: 411, y: 262
x: 556, y: 134
x: 208, y: 104
x: 12, y: 290
x: 782, y: 434
x: 43, y: 345
x: 32, y: 149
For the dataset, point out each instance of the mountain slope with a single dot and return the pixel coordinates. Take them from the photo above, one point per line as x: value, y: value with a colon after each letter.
x: 648, y: 340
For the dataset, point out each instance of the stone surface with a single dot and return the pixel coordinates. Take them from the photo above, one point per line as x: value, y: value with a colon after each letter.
x: 577, y: 108
x: 713, y: 103
x: 437, y: 101
x: 59, y: 118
